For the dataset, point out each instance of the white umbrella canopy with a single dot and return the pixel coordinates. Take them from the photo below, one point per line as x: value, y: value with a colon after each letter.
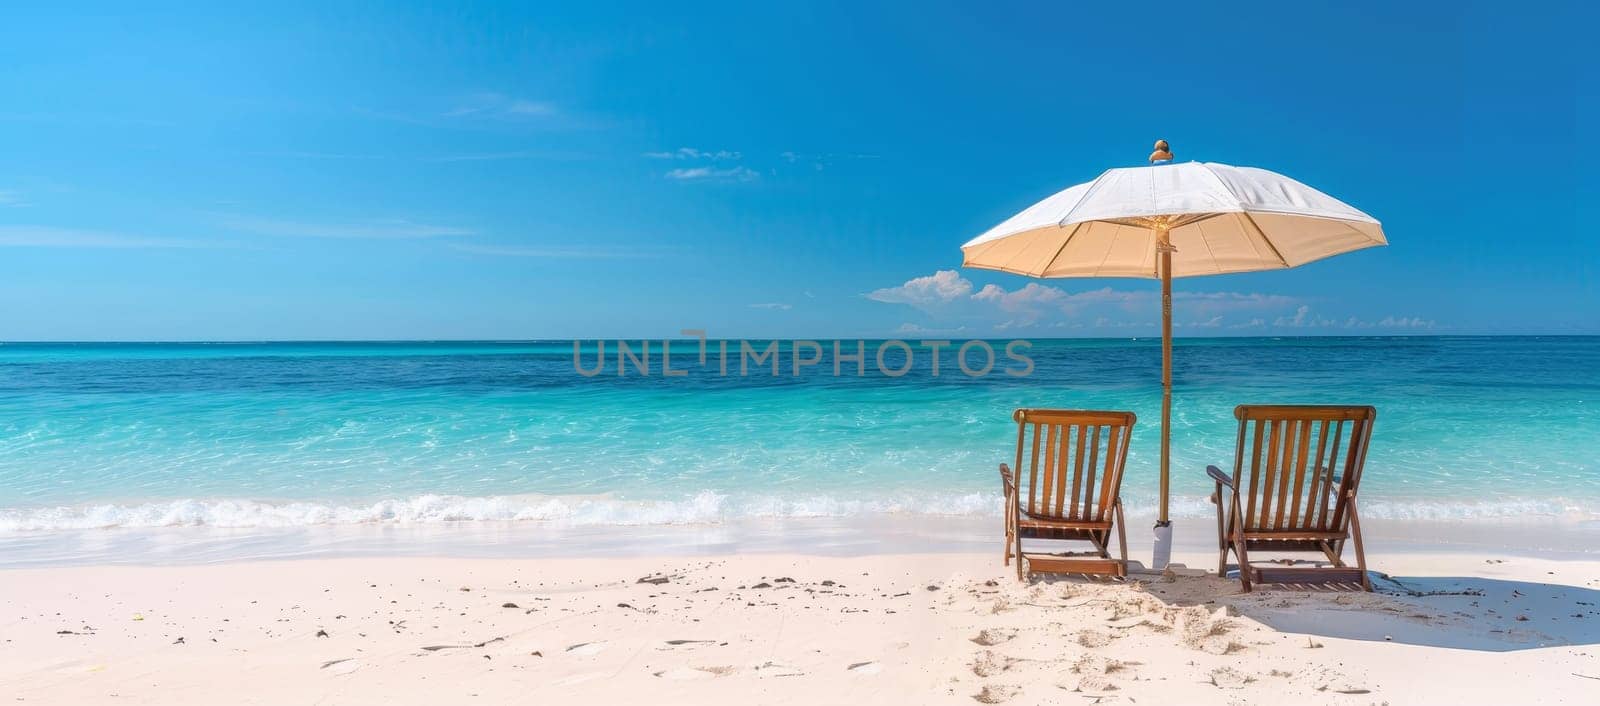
x: 1173, y: 220
x: 1223, y: 219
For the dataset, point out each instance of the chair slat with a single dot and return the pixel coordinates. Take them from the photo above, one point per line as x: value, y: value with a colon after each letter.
x: 1354, y: 455
x: 1286, y: 463
x: 1300, y: 475
x: 1048, y: 482
x: 1063, y: 458
x: 1255, y: 473
x: 1316, y: 474
x: 1089, y: 510
x: 1077, y: 471
x: 1274, y: 442
x: 1033, y: 470
x: 1016, y: 478
x: 1327, y: 479
x: 1109, y: 486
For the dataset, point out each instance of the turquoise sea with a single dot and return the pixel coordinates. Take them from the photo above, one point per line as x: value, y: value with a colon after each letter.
x: 97, y: 436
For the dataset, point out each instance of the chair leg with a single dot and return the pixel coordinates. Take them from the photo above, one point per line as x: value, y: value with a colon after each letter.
x: 1355, y: 536
x: 1099, y: 543
x: 1222, y: 536
x: 1333, y: 554
x: 1018, y: 545
x: 1122, y: 538
x: 1239, y: 548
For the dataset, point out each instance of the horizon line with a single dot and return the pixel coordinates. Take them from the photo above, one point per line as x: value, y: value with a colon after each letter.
x: 508, y: 341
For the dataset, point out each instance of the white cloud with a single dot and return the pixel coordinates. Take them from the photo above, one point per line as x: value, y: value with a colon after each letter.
x: 1035, y: 295
x: 376, y: 230
x: 940, y: 287
x: 713, y: 174
x: 549, y: 252
x: 497, y: 105
x: 692, y: 153
x: 1214, y: 302
x: 1403, y: 322
x: 527, y: 107
x: 819, y: 161
x: 776, y: 306
x: 506, y: 156
x: 911, y: 329
x: 46, y: 237
x: 949, y: 295
x: 1031, y: 295
x: 1104, y: 322
x: 1302, y: 317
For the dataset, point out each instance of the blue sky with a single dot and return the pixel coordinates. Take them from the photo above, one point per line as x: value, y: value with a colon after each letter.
x: 395, y: 170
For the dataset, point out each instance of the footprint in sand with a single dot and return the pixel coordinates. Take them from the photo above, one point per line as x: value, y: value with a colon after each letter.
x: 1229, y: 678
x: 996, y: 694
x: 341, y: 666
x: 865, y: 668
x: 685, y: 644
x: 1092, y: 664
x: 1325, y: 679
x: 994, y: 636
x: 778, y: 669
x: 1095, y: 684
x: 1208, y: 632
x: 586, y: 649
x: 686, y: 673
x: 988, y: 663
x: 1093, y: 639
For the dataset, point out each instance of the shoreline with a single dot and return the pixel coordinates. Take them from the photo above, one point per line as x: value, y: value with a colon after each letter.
x: 1558, y: 538
x: 730, y: 628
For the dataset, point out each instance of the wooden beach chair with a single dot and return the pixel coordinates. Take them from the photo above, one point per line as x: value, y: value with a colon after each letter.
x: 1068, y: 489
x: 1293, y: 489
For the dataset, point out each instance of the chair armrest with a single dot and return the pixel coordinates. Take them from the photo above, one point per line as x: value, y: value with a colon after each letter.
x: 1220, y: 477
x: 1005, y: 478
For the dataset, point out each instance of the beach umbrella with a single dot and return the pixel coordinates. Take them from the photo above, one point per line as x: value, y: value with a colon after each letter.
x: 1171, y: 220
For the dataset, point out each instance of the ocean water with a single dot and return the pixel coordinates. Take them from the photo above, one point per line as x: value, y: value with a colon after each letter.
x: 135, y: 436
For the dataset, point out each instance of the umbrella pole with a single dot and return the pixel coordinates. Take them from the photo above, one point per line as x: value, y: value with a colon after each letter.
x: 1163, y: 528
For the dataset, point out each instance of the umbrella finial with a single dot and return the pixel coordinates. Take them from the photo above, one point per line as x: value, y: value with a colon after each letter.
x: 1162, y: 153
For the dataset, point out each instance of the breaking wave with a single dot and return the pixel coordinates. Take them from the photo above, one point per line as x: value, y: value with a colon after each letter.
x: 706, y: 507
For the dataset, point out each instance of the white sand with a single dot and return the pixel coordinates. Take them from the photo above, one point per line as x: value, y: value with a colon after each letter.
x: 953, y: 628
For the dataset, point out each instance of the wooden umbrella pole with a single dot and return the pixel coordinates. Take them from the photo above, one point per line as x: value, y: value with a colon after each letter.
x: 1163, y: 227
x: 1164, y: 245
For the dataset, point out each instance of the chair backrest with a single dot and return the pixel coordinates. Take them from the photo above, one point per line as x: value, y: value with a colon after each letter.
x: 1074, y: 462
x: 1288, y: 457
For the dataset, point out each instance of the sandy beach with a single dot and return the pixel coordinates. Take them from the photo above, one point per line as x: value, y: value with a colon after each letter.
x: 1445, y: 628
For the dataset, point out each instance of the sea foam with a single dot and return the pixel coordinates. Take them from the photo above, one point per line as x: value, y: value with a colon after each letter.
x: 706, y: 507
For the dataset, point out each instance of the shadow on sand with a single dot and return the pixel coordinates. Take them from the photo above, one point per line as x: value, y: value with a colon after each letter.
x: 1458, y: 612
